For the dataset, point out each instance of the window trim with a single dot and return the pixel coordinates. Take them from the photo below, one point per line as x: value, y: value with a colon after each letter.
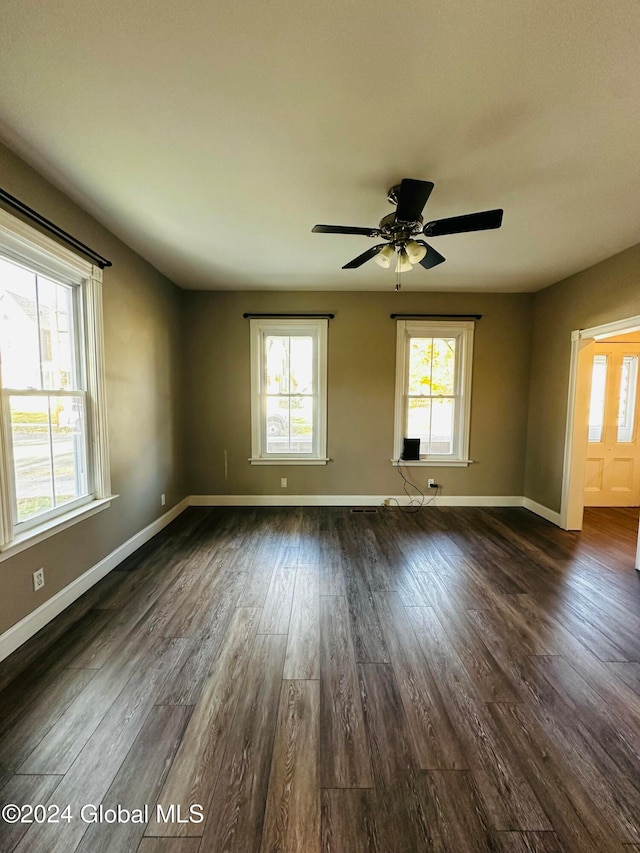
x: 25, y: 245
x: 463, y: 331
x: 318, y: 327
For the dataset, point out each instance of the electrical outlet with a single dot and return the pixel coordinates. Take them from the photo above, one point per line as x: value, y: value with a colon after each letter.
x: 431, y: 483
x: 283, y: 482
x: 38, y: 580
x: 163, y: 499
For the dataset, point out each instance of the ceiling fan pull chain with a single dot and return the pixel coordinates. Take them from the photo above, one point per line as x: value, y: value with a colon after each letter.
x: 398, y: 285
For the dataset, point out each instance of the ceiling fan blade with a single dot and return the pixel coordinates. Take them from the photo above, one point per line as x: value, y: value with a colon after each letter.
x: 432, y: 258
x: 345, y: 229
x: 412, y: 198
x: 483, y: 221
x: 364, y: 257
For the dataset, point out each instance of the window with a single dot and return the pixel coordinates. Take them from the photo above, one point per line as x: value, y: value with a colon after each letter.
x: 598, y: 394
x: 53, y: 452
x: 627, y: 399
x: 288, y: 391
x: 433, y: 390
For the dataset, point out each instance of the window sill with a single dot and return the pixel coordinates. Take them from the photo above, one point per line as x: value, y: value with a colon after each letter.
x: 287, y: 460
x: 432, y: 463
x: 52, y: 526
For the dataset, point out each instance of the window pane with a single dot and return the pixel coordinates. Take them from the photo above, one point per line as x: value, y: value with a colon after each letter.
x: 31, y: 455
x: 420, y: 350
x: 419, y: 422
x: 277, y: 361
x: 19, y: 327
x: 301, y: 425
x: 627, y: 404
x: 56, y: 335
x: 432, y: 422
x: 598, y: 389
x: 289, y: 424
x: 302, y: 365
x: 432, y: 366
x: 49, y: 452
x: 443, y: 366
x: 69, y: 450
x: 441, y: 426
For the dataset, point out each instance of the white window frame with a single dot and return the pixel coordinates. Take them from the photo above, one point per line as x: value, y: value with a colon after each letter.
x: 462, y: 331
x: 24, y: 245
x: 318, y: 330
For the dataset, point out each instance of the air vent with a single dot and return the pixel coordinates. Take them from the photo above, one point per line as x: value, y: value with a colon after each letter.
x: 364, y: 509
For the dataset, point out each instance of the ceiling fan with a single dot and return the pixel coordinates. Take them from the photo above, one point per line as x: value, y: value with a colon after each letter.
x: 400, y: 229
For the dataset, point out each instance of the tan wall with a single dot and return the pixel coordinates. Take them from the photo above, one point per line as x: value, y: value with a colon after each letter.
x: 361, y: 375
x: 142, y: 344
x: 601, y: 294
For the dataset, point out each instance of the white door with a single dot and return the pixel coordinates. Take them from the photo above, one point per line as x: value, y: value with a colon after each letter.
x: 613, y: 454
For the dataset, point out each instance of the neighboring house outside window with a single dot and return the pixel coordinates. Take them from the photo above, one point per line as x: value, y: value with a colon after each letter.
x: 289, y: 391
x: 433, y: 390
x: 54, y: 464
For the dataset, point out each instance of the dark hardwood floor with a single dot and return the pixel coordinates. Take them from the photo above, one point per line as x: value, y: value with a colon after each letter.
x: 315, y: 679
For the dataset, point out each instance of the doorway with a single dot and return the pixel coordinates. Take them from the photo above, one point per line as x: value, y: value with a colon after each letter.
x: 612, y: 474
x: 578, y: 473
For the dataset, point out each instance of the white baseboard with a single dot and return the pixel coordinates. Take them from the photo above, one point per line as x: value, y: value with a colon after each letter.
x: 349, y: 500
x: 23, y: 630
x: 542, y: 511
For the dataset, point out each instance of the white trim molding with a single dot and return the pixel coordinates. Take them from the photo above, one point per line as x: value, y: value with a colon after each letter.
x: 23, y: 630
x: 351, y: 500
x: 543, y: 511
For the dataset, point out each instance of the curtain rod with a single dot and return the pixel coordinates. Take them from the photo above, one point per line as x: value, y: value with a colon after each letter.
x: 294, y: 316
x: 444, y: 316
x: 34, y: 216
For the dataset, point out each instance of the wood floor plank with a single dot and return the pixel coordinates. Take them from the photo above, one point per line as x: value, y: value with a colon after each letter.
x: 608, y: 779
x: 139, y: 780
x: 22, y: 791
x: 574, y: 816
x: 349, y: 821
x: 509, y: 800
x: 38, y: 718
x: 59, y: 748
x: 276, y: 611
x: 629, y: 673
x: 435, y: 741
x: 454, y: 810
x: 303, y: 647
x: 489, y: 677
x: 186, y: 687
x: 292, y: 816
x: 235, y: 818
x: 93, y: 771
x: 260, y: 572
x: 344, y: 755
x: 36, y: 664
x: 401, y: 820
x: 529, y: 842
x: 195, y: 769
x: 169, y: 845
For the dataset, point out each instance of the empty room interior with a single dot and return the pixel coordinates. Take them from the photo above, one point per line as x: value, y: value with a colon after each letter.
x: 319, y: 453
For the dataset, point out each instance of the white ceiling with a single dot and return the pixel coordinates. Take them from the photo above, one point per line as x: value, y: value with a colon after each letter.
x: 212, y: 136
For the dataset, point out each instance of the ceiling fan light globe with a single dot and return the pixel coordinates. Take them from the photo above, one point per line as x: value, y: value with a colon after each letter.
x: 404, y: 264
x: 415, y: 251
x: 385, y: 256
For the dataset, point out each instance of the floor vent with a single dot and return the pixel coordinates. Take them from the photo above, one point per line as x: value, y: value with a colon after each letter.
x: 364, y: 509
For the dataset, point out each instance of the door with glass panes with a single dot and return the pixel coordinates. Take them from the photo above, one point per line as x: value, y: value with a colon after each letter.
x: 613, y: 453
